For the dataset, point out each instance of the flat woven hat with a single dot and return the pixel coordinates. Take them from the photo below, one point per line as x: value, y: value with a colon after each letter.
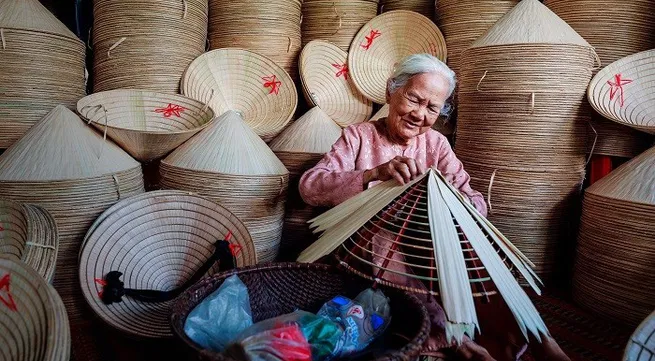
x: 144, y: 251
x: 623, y: 91
x: 33, y: 321
x: 29, y: 233
x: 327, y: 83
x: 245, y: 82
x: 146, y: 124
x: 383, y: 42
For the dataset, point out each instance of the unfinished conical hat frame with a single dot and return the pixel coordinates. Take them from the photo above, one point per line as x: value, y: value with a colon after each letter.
x: 642, y: 341
x: 146, y: 124
x: 33, y: 321
x: 425, y: 217
x: 245, y: 82
x: 150, y: 238
x: 383, y: 42
x: 623, y: 91
x: 29, y: 233
x: 326, y: 83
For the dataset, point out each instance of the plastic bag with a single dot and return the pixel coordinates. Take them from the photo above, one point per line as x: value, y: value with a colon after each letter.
x: 220, y: 317
x: 280, y: 342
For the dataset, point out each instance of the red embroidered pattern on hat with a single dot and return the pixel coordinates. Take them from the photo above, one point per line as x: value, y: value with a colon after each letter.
x: 616, y: 86
x: 170, y: 110
x: 374, y: 34
x: 5, y: 293
x: 272, y: 82
x: 343, y: 70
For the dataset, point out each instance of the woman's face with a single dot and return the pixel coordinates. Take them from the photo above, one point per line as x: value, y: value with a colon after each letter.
x: 415, y: 107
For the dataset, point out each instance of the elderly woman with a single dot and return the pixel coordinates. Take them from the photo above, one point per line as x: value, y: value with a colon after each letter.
x: 403, y: 146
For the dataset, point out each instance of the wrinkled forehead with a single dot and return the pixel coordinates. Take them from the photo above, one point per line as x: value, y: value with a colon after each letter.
x: 433, y: 87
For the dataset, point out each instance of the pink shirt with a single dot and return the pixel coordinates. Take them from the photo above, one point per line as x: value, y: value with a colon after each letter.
x: 340, y: 174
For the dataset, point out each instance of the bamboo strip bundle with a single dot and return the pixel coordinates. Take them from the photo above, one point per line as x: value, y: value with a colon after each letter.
x: 335, y: 21
x: 132, y: 38
x: 228, y: 163
x: 615, y: 254
x: 642, y: 341
x: 529, y: 73
x: 42, y: 66
x: 615, y: 30
x: 423, y: 7
x: 270, y: 28
x: 67, y: 168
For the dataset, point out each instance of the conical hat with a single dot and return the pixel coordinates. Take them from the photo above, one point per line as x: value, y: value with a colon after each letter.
x: 227, y: 146
x: 61, y: 147
x: 31, y: 15
x: 530, y: 22
x: 634, y: 181
x: 314, y: 132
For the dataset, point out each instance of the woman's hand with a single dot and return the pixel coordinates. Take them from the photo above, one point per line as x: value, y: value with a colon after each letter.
x: 402, y: 169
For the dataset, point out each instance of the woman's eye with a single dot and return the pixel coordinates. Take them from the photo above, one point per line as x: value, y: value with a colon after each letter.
x: 432, y: 110
x: 412, y: 100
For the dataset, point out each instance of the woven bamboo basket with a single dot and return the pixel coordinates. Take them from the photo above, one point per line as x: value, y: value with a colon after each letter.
x: 245, y: 82
x: 42, y: 66
x: 326, y: 83
x: 423, y: 7
x: 239, y: 172
x: 522, y: 123
x: 67, y: 168
x: 157, y: 240
x: 270, y: 28
x: 384, y: 41
x: 147, y: 125
x: 29, y: 233
x: 615, y: 30
x: 132, y: 38
x: 336, y: 22
x: 615, y: 253
x: 33, y: 321
x: 642, y: 342
x: 282, y: 288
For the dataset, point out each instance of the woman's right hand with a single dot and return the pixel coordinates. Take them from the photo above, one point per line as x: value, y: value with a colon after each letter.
x: 402, y: 169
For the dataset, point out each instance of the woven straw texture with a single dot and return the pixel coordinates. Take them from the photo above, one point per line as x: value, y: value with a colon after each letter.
x: 29, y: 233
x: 33, y: 321
x: 622, y: 91
x: 42, y: 66
x: 281, y: 288
x: 267, y: 27
x: 326, y: 83
x: 335, y: 21
x: 157, y: 240
x: 384, y: 41
x: 146, y: 44
x: 642, y: 343
x: 615, y: 30
x: 240, y: 172
x: 145, y: 124
x: 423, y: 7
x: 520, y: 133
x: 245, y: 82
x: 616, y: 253
x: 67, y: 168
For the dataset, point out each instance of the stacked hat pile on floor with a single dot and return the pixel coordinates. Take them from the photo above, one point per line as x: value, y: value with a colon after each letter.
x: 423, y: 7
x: 33, y: 321
x: 230, y: 164
x: 67, y: 168
x: 146, y: 44
x: 335, y: 21
x: 42, y: 65
x: 299, y: 148
x: 29, y: 233
x: 268, y: 27
x: 147, y: 125
x: 615, y: 29
x: 522, y: 126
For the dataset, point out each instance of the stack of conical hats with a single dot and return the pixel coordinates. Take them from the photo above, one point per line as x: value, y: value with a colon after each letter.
x: 521, y: 126
x: 423, y: 7
x: 33, y: 321
x: 615, y: 29
x: 67, y: 168
x: 335, y: 21
x: 146, y: 44
x: 300, y: 147
x: 616, y: 253
x: 29, y: 233
x: 267, y: 27
x: 230, y: 164
x: 42, y: 65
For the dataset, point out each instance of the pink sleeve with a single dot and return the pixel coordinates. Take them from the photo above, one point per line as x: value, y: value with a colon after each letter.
x: 453, y: 170
x: 334, y: 179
